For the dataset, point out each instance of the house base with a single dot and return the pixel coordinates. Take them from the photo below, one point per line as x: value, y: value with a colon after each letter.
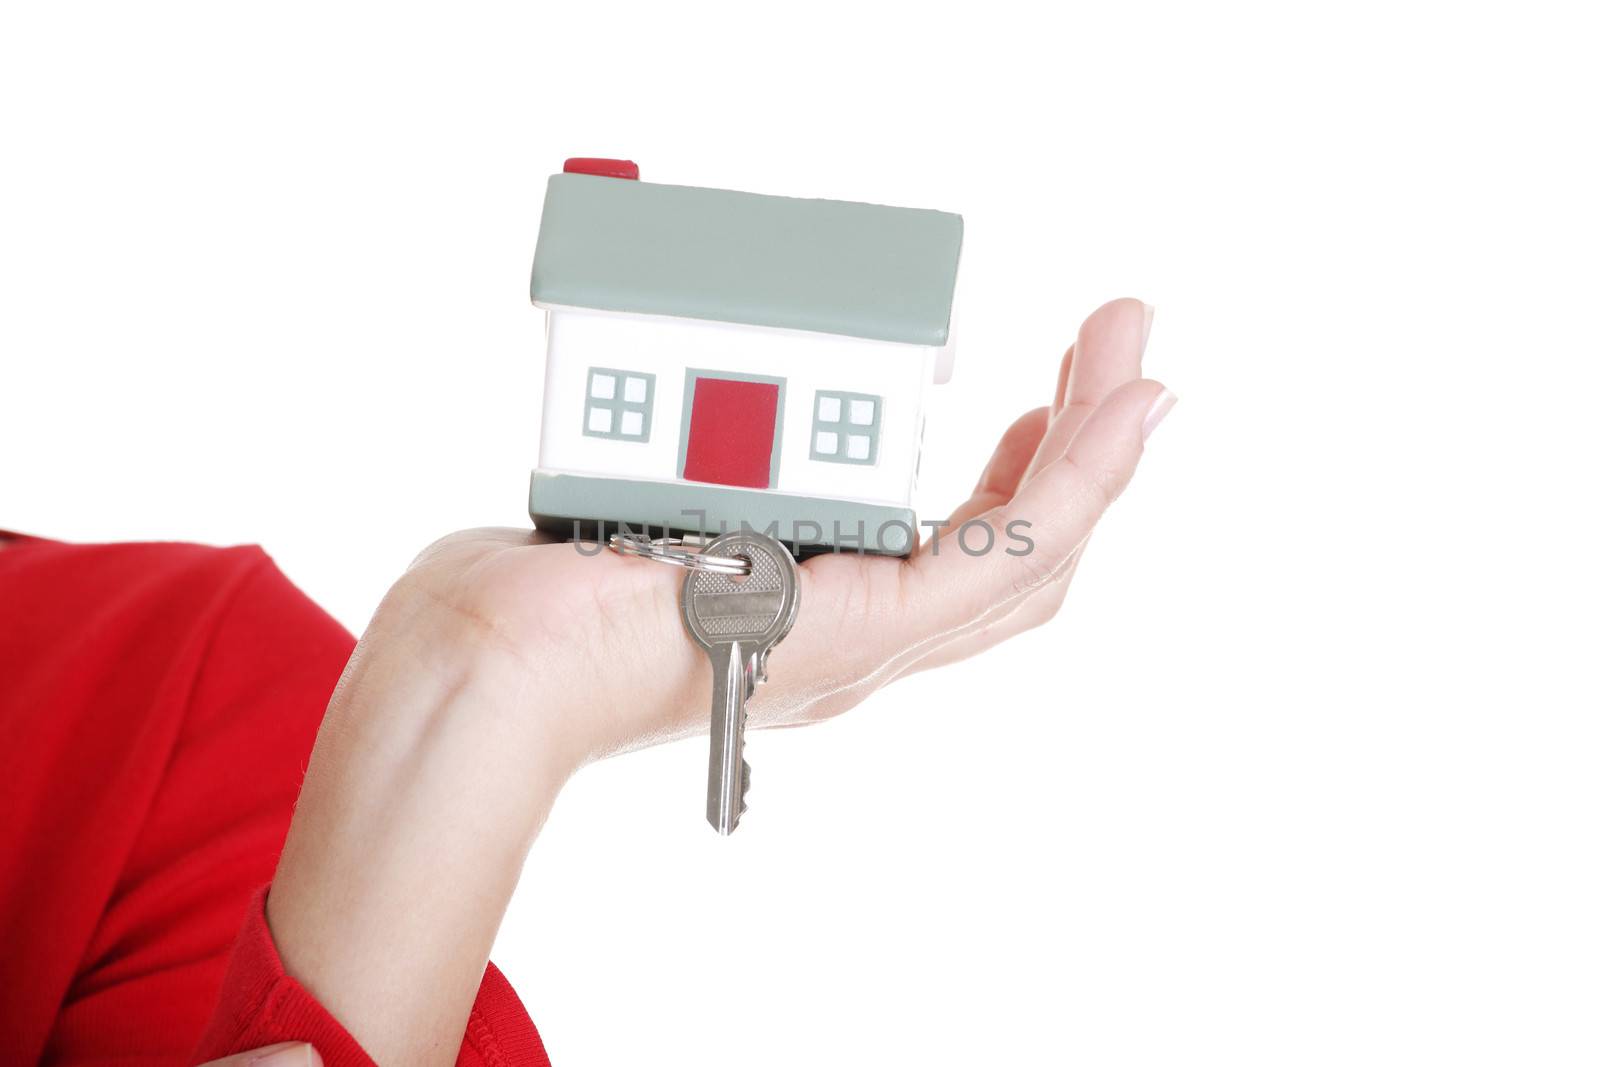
x: 588, y: 505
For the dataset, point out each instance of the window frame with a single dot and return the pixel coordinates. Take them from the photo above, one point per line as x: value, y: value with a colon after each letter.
x: 618, y: 405
x: 843, y: 428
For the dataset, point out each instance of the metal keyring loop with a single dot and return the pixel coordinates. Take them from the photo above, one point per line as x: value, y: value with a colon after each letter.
x: 671, y: 550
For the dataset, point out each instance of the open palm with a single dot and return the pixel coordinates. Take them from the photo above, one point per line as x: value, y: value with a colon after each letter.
x: 602, y: 633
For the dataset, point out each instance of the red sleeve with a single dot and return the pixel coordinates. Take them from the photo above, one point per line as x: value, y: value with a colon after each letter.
x: 261, y: 1005
x: 158, y: 704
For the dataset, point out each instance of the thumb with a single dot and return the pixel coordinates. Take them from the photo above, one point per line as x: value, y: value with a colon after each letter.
x: 1054, y: 511
x: 284, y: 1054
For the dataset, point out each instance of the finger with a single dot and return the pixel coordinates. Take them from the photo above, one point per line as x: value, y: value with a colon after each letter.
x: 1062, y: 377
x: 1011, y: 458
x: 1031, y: 540
x: 1107, y: 355
x: 285, y: 1054
x: 945, y: 604
x: 872, y: 619
x: 1110, y: 344
x: 1012, y: 454
x: 1070, y: 492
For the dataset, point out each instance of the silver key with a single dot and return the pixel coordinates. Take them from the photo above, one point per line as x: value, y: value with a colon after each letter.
x: 737, y: 620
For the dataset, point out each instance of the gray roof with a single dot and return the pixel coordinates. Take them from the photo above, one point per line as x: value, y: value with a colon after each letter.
x: 862, y: 270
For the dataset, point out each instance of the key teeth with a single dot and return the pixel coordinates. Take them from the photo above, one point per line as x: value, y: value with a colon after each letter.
x: 744, y: 785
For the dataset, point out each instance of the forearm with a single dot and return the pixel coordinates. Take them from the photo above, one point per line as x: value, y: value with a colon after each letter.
x: 431, y: 776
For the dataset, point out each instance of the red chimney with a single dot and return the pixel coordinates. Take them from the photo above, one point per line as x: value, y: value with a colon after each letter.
x: 604, y: 168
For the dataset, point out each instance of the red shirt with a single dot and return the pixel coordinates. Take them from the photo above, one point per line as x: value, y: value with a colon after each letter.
x: 157, y: 707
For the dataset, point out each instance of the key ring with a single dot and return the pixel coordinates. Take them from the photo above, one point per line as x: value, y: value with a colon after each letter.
x: 673, y: 550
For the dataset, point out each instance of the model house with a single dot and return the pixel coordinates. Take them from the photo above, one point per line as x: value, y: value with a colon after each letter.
x: 721, y: 358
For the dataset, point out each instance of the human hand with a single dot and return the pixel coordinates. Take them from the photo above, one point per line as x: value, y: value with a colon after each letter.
x: 503, y: 660
x: 601, y: 638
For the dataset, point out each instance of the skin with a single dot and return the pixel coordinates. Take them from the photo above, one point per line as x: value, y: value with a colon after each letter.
x: 285, y: 1054
x: 501, y: 662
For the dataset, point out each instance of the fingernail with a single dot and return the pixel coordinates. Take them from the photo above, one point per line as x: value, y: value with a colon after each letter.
x: 1158, y: 411
x: 296, y: 1055
x: 1149, y: 317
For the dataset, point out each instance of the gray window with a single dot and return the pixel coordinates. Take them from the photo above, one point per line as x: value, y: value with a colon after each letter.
x: 617, y: 404
x: 844, y: 427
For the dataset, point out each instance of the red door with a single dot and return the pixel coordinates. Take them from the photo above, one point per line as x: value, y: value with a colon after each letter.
x: 731, y: 428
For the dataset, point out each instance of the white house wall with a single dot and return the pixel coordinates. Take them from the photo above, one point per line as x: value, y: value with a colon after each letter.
x: 579, y: 339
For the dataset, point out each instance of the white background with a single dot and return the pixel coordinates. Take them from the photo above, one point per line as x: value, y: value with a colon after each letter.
x: 1305, y: 773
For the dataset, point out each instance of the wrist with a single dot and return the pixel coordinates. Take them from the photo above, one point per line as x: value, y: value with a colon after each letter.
x: 426, y: 668
x: 425, y: 790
